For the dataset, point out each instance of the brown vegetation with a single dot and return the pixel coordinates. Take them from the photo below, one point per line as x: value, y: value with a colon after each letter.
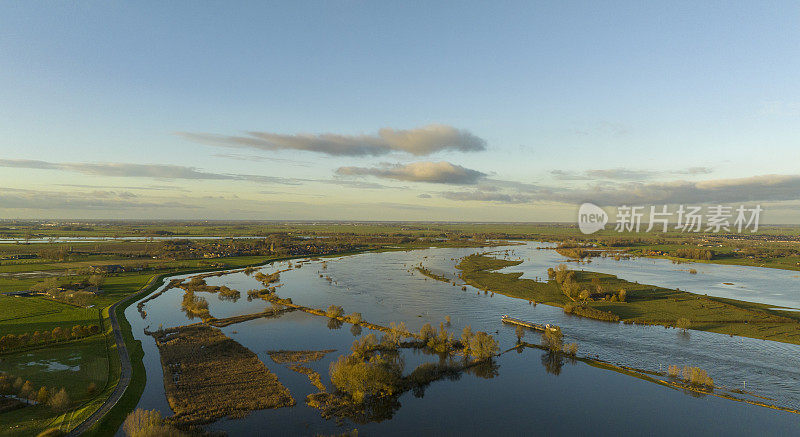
x: 208, y: 376
x: 148, y: 423
x: 284, y: 356
x: 694, y: 376
x: 313, y: 376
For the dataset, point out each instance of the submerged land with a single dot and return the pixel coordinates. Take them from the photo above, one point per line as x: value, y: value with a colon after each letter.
x: 61, y: 282
x: 606, y: 297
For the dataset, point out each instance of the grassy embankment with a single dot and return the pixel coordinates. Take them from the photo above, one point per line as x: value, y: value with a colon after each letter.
x: 645, y: 304
x: 98, y: 352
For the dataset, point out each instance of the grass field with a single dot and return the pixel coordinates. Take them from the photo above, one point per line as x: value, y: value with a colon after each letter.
x: 28, y: 314
x: 645, y: 304
x: 72, y: 366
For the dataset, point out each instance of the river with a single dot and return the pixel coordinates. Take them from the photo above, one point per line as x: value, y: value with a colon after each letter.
x: 528, y: 393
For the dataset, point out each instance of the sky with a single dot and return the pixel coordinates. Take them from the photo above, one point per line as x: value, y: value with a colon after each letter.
x: 357, y: 110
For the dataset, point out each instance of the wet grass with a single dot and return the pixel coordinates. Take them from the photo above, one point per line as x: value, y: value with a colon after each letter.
x: 479, y: 271
x: 73, y: 366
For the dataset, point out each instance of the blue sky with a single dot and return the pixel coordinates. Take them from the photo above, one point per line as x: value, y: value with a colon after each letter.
x: 620, y: 102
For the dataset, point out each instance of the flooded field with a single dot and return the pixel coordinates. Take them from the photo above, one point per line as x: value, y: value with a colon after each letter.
x: 523, y: 390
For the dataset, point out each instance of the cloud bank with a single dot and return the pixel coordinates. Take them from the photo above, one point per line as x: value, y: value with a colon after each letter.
x: 155, y: 171
x: 762, y: 188
x: 624, y: 174
x: 751, y: 189
x: 425, y: 171
x: 419, y: 142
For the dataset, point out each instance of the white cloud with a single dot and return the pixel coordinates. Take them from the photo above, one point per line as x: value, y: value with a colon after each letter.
x: 155, y: 171
x: 419, y: 142
x: 425, y: 171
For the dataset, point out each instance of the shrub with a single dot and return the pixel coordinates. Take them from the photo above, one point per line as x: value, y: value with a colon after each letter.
x: 466, y: 336
x: 60, y: 401
x: 195, y: 306
x: 355, y: 318
x: 396, y: 333
x: 483, y: 345
x: 360, y: 379
x: 673, y: 371
x: 553, y: 339
x: 571, y: 349
x: 441, y: 342
x: 27, y: 391
x: 427, y: 332
x: 697, y: 376
x: 363, y: 346
x: 42, y: 396
x: 148, y: 423
x: 334, y: 311
x: 683, y: 323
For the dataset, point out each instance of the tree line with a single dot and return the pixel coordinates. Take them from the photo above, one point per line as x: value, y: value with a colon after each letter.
x: 58, y: 334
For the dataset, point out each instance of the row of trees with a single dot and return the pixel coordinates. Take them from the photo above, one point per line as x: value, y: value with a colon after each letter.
x: 58, y: 400
x: 58, y: 334
x: 571, y: 287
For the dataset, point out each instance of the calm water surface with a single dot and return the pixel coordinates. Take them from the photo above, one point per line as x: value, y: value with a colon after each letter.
x: 528, y: 391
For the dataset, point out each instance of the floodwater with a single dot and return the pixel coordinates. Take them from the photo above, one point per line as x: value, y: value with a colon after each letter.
x: 777, y: 287
x: 525, y: 392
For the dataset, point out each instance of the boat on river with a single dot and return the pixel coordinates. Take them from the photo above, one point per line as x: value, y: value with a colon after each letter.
x: 535, y: 326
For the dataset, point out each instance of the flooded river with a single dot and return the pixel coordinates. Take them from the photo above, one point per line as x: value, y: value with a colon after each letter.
x: 526, y: 392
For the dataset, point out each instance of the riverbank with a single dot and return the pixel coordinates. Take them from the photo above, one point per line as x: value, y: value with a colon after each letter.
x: 644, y: 304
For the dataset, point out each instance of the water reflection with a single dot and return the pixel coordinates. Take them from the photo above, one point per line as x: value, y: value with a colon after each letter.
x: 397, y: 294
x: 334, y: 323
x: 553, y: 362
